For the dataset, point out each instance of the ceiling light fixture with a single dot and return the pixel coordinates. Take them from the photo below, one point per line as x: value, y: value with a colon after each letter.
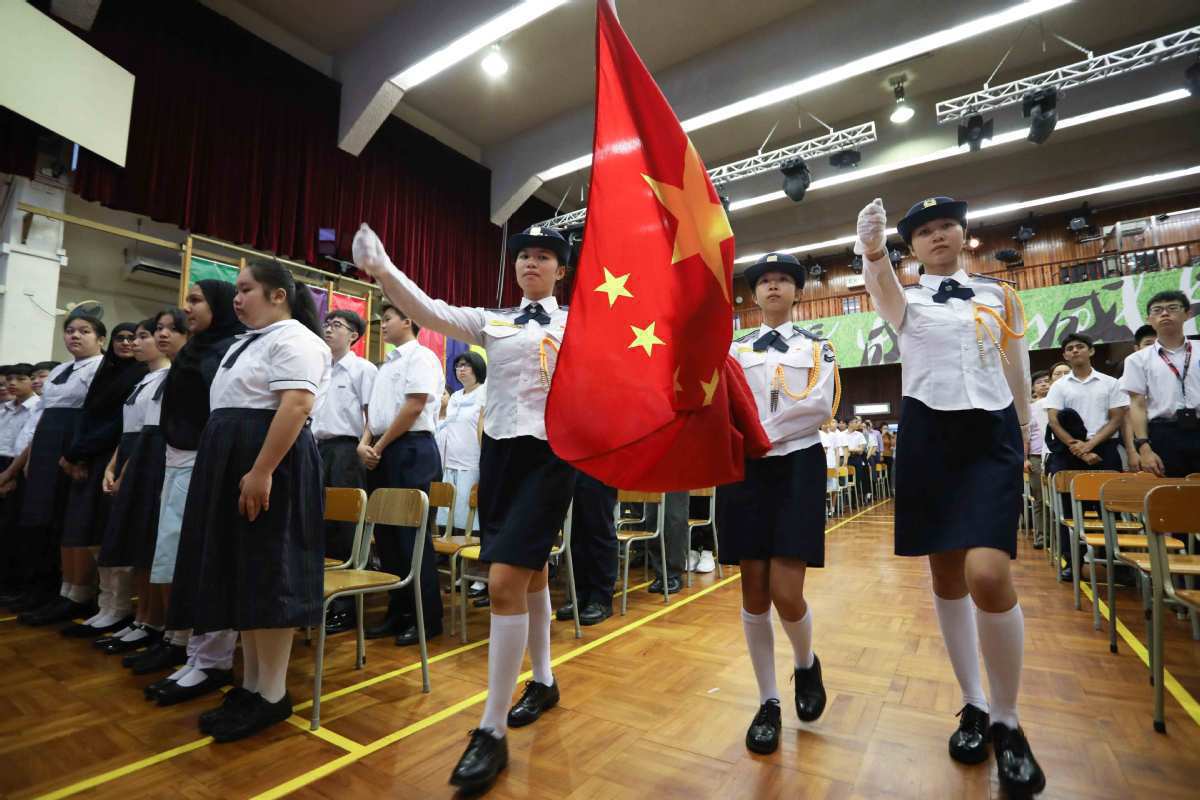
x: 473, y: 41
x: 851, y: 69
x: 973, y: 243
x: 796, y: 179
x: 974, y: 132
x: 1040, y: 108
x: 1007, y: 208
x: 494, y: 63
x: 903, y: 112
x: 1007, y: 137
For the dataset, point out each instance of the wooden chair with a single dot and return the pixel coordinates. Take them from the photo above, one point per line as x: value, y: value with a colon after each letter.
x: 1169, y: 510
x: 833, y: 487
x: 400, y: 507
x: 562, y: 551
x: 626, y: 536
x: 346, y: 505
x: 1085, y: 488
x: 1047, y: 515
x: 1027, y: 505
x: 442, y: 495
x: 1060, y: 485
x: 711, y: 519
x: 445, y: 543
x: 882, y: 486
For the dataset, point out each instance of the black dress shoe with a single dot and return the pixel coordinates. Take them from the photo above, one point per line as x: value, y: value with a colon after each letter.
x: 482, y: 602
x: 810, y: 691
x: 30, y: 601
x: 674, y: 585
x: 61, y: 610
x: 236, y: 700
x: 134, y: 649
x: 536, y: 698
x: 81, y: 631
x: 408, y: 636
x: 151, y: 692
x: 969, y: 744
x: 594, y: 613
x: 214, y: 679
x: 473, y: 593
x: 1065, y: 575
x: 105, y: 641
x: 566, y: 612
x: 1019, y: 773
x: 482, y: 761
x: 339, y: 622
x: 762, y: 736
x: 389, y: 627
x: 257, y: 715
x: 160, y: 657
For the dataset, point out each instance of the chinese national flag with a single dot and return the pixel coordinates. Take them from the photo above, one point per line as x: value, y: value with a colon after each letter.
x: 645, y: 396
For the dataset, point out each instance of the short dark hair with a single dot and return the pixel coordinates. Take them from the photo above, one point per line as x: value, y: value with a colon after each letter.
x: 21, y: 368
x: 1082, y: 338
x: 45, y: 365
x: 97, y: 326
x: 1037, y: 376
x: 396, y: 310
x: 350, y: 318
x: 1056, y: 365
x: 1169, y: 296
x: 1143, y: 332
x: 475, y: 362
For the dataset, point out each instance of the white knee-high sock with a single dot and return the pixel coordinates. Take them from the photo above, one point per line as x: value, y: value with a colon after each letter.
x: 956, y: 618
x: 506, y: 647
x: 103, y: 600
x: 539, y: 635
x: 760, y: 641
x: 800, y: 634
x: 81, y: 593
x: 250, y: 661
x: 1002, y: 642
x: 274, y: 646
x: 120, y: 583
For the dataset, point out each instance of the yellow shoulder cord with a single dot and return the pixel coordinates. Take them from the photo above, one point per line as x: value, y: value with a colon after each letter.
x: 779, y: 381
x: 543, y: 362
x: 837, y: 383
x: 1005, y: 329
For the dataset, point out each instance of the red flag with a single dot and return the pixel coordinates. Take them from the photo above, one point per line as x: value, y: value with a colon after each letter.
x: 644, y: 392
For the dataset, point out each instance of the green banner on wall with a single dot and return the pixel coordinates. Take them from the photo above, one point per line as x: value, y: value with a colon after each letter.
x: 204, y: 270
x: 1108, y: 310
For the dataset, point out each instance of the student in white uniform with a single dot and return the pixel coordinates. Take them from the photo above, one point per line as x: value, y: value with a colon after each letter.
x: 965, y: 417
x: 1037, y: 442
x: 461, y: 428
x: 22, y: 405
x: 41, y: 371
x: 252, y: 551
x: 339, y: 422
x: 1144, y: 337
x: 524, y: 489
x: 772, y: 523
x: 400, y: 452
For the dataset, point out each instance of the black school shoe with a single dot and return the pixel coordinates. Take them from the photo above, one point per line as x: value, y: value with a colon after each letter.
x: 969, y: 744
x: 81, y: 631
x: 1019, y: 773
x: 62, y: 610
x: 594, y: 613
x: 763, y: 735
x: 163, y: 655
x: 255, y: 716
x: 810, y: 691
x: 175, y: 693
x: 151, y: 691
x: 484, y: 759
x: 536, y: 699
x: 236, y: 700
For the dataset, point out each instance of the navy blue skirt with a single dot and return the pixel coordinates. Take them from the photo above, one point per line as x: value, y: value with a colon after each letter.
x: 46, y: 486
x: 958, y: 479
x: 777, y: 510
x: 133, y: 522
x: 88, y: 506
x: 233, y: 573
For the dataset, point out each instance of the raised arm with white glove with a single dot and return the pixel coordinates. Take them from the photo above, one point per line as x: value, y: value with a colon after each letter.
x: 882, y: 283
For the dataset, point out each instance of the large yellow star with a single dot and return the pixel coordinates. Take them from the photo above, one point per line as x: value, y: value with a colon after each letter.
x: 702, y: 223
x: 644, y: 337
x: 614, y: 287
x: 710, y: 387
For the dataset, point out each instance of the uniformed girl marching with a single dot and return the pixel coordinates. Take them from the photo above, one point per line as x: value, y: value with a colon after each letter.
x: 772, y: 523
x: 252, y: 550
x: 524, y: 489
x: 460, y: 434
x: 965, y: 417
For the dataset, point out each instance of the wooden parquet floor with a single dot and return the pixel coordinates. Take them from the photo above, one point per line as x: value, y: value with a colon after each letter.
x: 654, y: 704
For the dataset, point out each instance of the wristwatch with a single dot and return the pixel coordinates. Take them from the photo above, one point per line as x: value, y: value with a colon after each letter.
x: 1137, y: 443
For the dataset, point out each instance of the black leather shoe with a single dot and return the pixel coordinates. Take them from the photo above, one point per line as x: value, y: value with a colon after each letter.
x: 236, y: 699
x: 1019, y: 773
x: 567, y: 612
x: 119, y: 646
x: 174, y: 693
x: 151, y: 692
x: 482, y: 761
x: 763, y: 735
x: 408, y: 636
x: 61, y: 610
x: 389, y: 627
x: 339, y: 622
x: 480, y: 592
x: 162, y: 656
x: 594, y: 613
x: 482, y: 602
x: 674, y: 585
x: 536, y: 698
x: 105, y: 641
x: 257, y: 715
x: 810, y: 691
x: 969, y: 744
x: 30, y: 601
x: 81, y: 631
x: 1065, y: 575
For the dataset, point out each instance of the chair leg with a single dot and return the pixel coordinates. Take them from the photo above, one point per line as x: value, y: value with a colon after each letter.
x: 319, y: 670
x: 1075, y: 565
x: 454, y: 589
x: 666, y: 568
x: 1156, y: 653
x: 687, y: 566
x: 462, y: 599
x: 1112, y: 601
x: 625, y: 581
x: 1091, y: 553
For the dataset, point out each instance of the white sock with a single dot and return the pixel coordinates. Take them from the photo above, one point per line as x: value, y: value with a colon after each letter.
x: 800, y: 634
x: 191, y: 678
x: 274, y: 646
x: 956, y: 618
x: 249, y: 661
x: 180, y: 637
x: 78, y: 593
x: 539, y: 635
x: 104, y: 600
x: 179, y: 673
x: 65, y: 589
x: 760, y: 641
x: 126, y: 630
x: 1002, y: 642
x: 120, y: 582
x: 136, y: 633
x: 506, y: 648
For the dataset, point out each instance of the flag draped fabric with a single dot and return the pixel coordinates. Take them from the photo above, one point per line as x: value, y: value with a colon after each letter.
x: 645, y: 395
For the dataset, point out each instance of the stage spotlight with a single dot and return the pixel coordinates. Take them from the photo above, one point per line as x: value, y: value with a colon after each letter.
x: 856, y: 264
x: 1040, y: 109
x: 1080, y: 220
x: 973, y: 243
x: 1008, y: 256
x: 974, y: 132
x: 1192, y: 76
x: 1025, y: 233
x: 796, y: 178
x: 895, y: 256
x: 903, y: 112
x: 844, y: 159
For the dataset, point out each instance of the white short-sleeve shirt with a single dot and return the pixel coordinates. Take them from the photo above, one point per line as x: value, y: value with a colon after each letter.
x: 1147, y: 374
x: 461, y: 429
x: 13, y: 418
x: 339, y: 407
x: 411, y: 368
x: 283, y: 355
x: 133, y: 413
x: 71, y: 391
x: 1091, y: 398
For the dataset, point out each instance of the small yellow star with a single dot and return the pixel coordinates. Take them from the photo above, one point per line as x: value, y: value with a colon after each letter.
x: 614, y: 287
x: 710, y: 387
x: 644, y: 337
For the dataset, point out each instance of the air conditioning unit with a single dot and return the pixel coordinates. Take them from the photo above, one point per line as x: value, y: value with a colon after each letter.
x: 153, y: 271
x: 855, y: 282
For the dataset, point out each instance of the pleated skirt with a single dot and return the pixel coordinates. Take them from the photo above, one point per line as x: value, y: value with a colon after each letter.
x: 133, y: 520
x: 47, y: 486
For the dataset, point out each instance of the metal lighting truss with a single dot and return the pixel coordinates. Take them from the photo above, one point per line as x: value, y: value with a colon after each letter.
x: 1090, y: 70
x: 832, y: 142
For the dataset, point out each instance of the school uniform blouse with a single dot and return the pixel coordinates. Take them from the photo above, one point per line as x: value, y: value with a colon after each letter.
x: 793, y: 424
x: 149, y: 400
x: 14, y: 417
x: 71, y: 391
x: 283, y: 355
x: 944, y: 365
x: 1039, y: 419
x: 461, y: 428
x: 339, y: 407
x: 517, y: 395
x: 25, y: 437
x: 133, y: 413
x: 411, y: 368
x: 1092, y: 398
x: 1148, y: 375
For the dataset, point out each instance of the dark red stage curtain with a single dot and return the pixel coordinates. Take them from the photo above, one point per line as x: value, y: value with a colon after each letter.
x: 235, y: 139
x: 18, y: 143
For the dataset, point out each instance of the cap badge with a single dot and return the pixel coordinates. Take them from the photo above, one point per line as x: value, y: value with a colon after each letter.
x: 930, y: 202
x: 535, y: 231
x: 772, y: 258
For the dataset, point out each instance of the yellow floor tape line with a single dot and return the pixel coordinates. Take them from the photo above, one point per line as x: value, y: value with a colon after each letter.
x: 120, y: 772
x: 8, y: 619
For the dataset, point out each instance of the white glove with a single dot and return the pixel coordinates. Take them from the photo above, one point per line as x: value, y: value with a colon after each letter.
x: 872, y: 222
x: 369, y: 255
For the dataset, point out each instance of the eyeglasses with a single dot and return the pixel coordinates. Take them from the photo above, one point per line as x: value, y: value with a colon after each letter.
x: 333, y: 323
x: 1166, y: 308
x: 125, y: 338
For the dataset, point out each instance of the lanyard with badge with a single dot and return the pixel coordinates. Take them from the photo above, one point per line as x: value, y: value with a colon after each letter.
x: 1185, y: 417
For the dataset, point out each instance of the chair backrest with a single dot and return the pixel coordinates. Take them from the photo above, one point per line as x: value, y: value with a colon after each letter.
x: 1173, y: 508
x: 1195, y: 476
x: 1126, y: 494
x: 1063, y: 478
x: 472, y: 509
x: 628, y: 496
x: 441, y: 495
x: 345, y: 505
x: 831, y: 473
x: 709, y: 492
x: 404, y: 508
x: 1085, y: 487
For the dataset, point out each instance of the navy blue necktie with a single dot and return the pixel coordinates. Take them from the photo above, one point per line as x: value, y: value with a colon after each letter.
x: 229, y: 362
x: 533, y: 311
x: 62, y: 377
x: 770, y: 339
x: 134, y: 394
x: 952, y: 288
x: 162, y: 387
